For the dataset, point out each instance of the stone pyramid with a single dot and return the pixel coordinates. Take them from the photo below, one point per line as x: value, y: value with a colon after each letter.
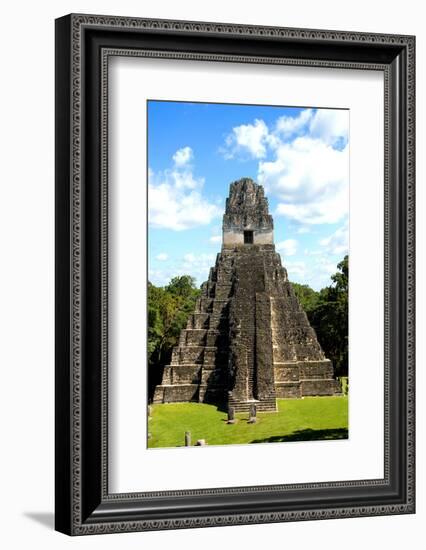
x: 249, y: 340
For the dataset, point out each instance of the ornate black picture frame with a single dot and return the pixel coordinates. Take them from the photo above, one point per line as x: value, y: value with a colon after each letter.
x: 83, y: 46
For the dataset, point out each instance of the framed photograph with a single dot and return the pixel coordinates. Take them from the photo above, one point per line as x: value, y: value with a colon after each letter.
x: 234, y: 274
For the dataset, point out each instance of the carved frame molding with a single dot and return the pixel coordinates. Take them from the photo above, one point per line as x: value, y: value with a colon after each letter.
x: 84, y: 43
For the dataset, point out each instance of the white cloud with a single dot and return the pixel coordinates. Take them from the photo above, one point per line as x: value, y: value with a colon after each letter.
x: 287, y: 247
x: 175, y: 197
x: 183, y: 156
x: 288, y: 125
x: 216, y: 239
x: 312, y: 252
x: 198, y: 259
x: 314, y: 272
x: 296, y: 271
x: 185, y: 180
x: 192, y: 263
x: 189, y: 258
x: 171, y: 209
x: 303, y: 229
x: 159, y: 277
x: 247, y: 138
x: 326, y: 266
x: 197, y: 265
x: 322, y: 271
x: 303, y: 162
x: 162, y: 257
x: 310, y: 179
x: 319, y: 264
x: 330, y: 125
x: 338, y: 242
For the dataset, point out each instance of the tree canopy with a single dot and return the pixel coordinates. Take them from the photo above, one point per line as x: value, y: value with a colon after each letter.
x: 168, y: 310
x: 327, y: 311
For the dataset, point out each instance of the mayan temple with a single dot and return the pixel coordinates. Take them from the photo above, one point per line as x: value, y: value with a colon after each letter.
x: 248, y: 340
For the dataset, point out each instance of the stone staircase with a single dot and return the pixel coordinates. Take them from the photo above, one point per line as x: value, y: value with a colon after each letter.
x: 248, y: 284
x: 266, y: 405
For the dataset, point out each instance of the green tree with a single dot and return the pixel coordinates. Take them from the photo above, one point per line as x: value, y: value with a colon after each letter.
x: 168, y: 310
x: 181, y: 286
x: 327, y: 311
x: 307, y: 296
x: 330, y: 318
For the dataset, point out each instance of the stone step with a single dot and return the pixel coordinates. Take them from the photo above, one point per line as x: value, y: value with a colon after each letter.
x: 183, y: 355
x: 200, y: 337
x: 261, y: 406
x: 212, y: 305
x: 222, y: 292
x: 199, y: 320
x: 212, y: 321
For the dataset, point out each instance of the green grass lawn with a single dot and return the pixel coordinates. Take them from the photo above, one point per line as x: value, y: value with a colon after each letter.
x: 305, y: 419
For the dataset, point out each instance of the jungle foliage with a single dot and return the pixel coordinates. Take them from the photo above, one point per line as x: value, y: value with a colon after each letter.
x: 168, y: 310
x: 327, y: 311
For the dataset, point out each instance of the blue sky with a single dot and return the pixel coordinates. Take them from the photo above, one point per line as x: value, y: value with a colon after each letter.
x: 300, y: 156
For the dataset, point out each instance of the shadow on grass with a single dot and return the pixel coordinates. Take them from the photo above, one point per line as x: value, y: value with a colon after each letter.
x: 306, y: 435
x: 221, y: 406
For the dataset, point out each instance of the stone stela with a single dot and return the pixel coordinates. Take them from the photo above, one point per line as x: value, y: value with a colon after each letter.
x: 249, y: 340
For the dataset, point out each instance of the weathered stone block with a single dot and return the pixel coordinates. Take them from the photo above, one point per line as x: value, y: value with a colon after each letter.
x: 286, y: 372
x: 185, y: 374
x: 320, y: 387
x: 180, y: 393
x: 316, y: 369
x: 200, y: 320
x: 286, y: 390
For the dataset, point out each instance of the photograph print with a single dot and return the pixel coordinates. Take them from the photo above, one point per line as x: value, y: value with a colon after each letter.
x: 248, y: 274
